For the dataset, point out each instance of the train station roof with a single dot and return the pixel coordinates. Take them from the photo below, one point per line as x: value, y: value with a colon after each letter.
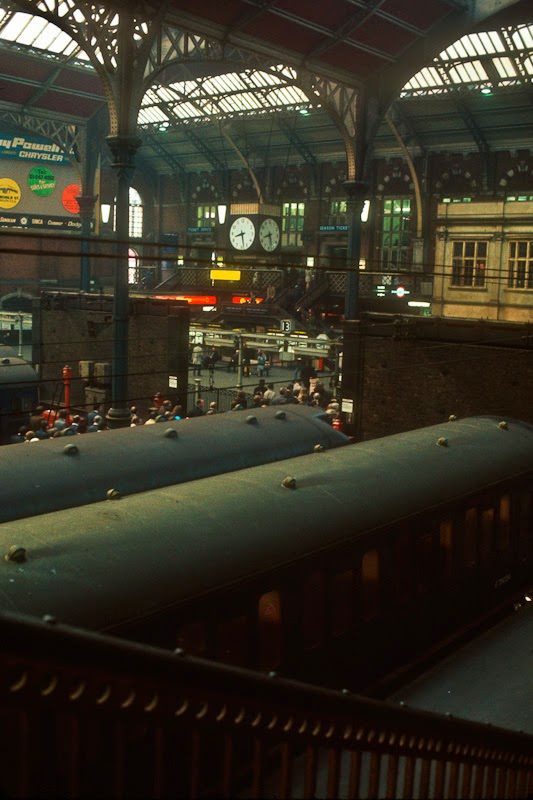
x: 457, y: 76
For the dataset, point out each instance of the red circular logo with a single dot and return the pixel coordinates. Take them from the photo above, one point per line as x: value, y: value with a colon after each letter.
x: 68, y: 198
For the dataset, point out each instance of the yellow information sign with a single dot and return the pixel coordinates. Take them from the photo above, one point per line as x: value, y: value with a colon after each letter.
x: 225, y: 274
x: 9, y: 193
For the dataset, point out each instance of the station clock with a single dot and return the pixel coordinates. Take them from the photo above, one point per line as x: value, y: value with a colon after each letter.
x: 269, y: 234
x: 242, y: 233
x: 254, y: 227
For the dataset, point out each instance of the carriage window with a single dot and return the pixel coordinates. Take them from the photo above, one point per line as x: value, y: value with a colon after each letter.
x: 525, y: 524
x: 504, y: 521
x: 232, y: 641
x: 403, y: 567
x: 424, y: 563
x: 370, y: 606
x: 446, y: 548
x: 269, y: 630
x: 342, y: 600
x: 469, y: 552
x: 313, y: 610
x: 487, y: 528
x: 192, y: 638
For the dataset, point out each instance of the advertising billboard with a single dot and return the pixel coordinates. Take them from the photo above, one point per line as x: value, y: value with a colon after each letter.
x: 39, y: 185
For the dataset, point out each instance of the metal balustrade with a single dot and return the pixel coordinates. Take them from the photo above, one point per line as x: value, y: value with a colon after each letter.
x: 88, y: 716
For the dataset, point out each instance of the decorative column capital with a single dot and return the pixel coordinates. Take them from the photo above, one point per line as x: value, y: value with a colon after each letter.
x: 123, y: 150
x: 356, y: 189
x: 357, y: 192
x: 86, y: 203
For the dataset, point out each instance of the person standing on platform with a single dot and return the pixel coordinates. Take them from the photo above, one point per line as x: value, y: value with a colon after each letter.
x: 197, y: 410
x: 261, y: 362
x: 307, y: 374
x: 197, y: 358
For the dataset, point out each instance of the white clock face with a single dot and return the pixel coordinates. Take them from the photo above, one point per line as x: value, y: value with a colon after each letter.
x: 242, y: 233
x: 269, y: 234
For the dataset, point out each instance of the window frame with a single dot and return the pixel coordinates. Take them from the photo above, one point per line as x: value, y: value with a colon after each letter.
x: 469, y: 265
x: 514, y: 259
x: 206, y: 215
x: 396, y: 235
x: 292, y: 223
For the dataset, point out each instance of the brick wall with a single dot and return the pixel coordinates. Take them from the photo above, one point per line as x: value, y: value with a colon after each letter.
x: 417, y: 377
x: 68, y: 329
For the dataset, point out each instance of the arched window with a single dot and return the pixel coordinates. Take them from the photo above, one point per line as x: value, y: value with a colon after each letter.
x: 136, y: 214
x: 135, y: 229
x: 133, y: 267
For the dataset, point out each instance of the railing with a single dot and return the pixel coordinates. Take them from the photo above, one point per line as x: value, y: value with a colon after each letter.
x: 418, y: 284
x: 201, y: 278
x: 88, y: 716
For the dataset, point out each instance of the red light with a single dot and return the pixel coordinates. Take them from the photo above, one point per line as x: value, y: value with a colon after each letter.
x: 193, y: 299
x: 241, y: 299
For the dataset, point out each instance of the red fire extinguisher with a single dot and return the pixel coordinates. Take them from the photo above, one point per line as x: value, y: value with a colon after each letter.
x: 67, y: 376
x: 337, y: 424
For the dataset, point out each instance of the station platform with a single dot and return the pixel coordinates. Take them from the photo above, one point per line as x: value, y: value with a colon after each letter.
x: 488, y: 680
x: 224, y: 379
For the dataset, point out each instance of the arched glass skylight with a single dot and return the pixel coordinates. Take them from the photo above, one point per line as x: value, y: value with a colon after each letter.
x: 478, y: 62
x: 228, y: 95
x: 27, y: 30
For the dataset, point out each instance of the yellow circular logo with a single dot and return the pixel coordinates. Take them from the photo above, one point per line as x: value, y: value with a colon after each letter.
x: 9, y: 193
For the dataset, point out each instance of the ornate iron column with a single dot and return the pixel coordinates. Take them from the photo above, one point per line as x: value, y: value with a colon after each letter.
x: 356, y: 191
x: 123, y: 149
x: 352, y: 358
x: 86, y: 204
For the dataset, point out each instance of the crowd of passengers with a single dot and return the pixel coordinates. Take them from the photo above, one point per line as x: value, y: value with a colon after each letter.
x: 44, y: 424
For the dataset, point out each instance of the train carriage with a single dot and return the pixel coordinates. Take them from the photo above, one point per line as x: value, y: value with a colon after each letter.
x: 19, y: 390
x: 334, y: 566
x: 66, y: 473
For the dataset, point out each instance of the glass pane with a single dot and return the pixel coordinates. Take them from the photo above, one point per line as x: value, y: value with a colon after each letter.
x: 525, y: 524
x: 469, y: 553
x: 313, y: 610
x: 232, y: 640
x: 370, y: 588
x: 404, y: 567
x: 192, y: 638
x: 342, y: 602
x: 446, y: 548
x: 269, y: 630
x: 504, y: 522
x: 487, y: 528
x: 425, y: 563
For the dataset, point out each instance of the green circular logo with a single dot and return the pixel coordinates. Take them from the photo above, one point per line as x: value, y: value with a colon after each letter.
x: 42, y: 181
